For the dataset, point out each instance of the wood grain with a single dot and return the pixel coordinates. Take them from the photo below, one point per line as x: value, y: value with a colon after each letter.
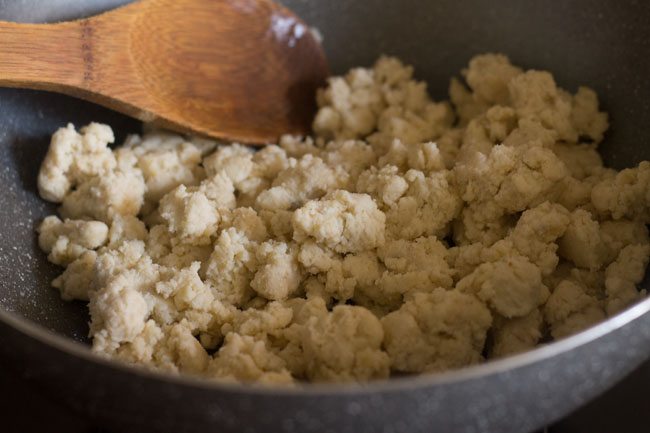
x: 242, y: 70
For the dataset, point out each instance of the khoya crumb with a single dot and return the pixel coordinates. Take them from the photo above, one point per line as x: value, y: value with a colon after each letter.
x: 405, y: 236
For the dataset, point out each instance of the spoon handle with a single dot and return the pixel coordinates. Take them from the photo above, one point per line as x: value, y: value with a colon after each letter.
x: 87, y: 59
x: 44, y: 56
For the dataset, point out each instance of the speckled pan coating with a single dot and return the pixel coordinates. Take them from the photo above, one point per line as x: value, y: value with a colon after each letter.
x: 603, y: 44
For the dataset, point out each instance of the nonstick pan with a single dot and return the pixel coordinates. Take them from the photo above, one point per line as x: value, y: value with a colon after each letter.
x: 600, y: 43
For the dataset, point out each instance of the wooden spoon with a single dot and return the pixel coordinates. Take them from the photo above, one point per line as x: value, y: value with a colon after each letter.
x: 241, y: 70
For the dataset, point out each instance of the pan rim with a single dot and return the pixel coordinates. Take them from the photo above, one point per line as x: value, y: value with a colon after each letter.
x: 390, y: 385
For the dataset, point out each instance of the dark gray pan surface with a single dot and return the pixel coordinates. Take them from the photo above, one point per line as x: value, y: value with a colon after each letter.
x: 603, y: 44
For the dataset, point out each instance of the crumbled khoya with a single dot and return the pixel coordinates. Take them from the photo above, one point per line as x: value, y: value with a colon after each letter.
x: 405, y: 236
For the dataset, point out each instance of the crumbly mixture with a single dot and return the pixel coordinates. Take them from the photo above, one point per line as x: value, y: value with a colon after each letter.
x: 405, y: 236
